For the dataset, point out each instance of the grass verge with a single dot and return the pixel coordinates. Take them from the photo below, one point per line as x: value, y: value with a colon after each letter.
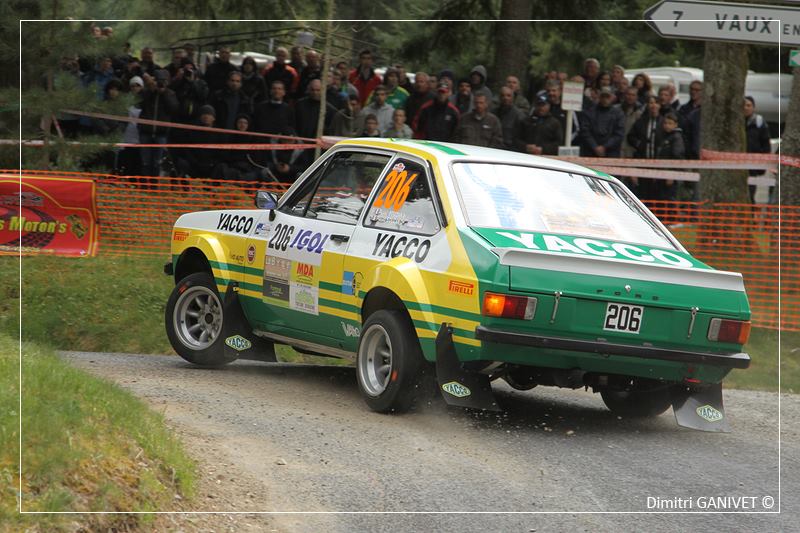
x: 117, y: 304
x: 86, y: 446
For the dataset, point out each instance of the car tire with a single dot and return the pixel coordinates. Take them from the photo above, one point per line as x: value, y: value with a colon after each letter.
x: 638, y: 404
x: 194, y: 321
x: 391, y: 370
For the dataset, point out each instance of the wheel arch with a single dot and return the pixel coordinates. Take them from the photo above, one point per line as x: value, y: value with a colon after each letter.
x: 190, y: 261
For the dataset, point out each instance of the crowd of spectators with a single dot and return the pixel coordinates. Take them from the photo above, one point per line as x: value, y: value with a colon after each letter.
x: 618, y: 118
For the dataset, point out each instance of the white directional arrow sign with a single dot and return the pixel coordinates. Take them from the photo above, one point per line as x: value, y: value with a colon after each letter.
x: 722, y: 21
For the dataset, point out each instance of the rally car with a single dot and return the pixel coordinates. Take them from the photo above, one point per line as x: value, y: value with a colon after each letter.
x: 433, y: 263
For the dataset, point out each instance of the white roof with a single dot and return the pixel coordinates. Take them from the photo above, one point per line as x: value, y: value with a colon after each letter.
x: 446, y: 152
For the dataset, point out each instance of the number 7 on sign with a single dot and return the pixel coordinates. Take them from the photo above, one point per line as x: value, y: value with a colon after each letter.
x: 678, y: 15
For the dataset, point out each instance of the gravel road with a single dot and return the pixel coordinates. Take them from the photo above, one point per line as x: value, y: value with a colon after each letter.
x: 283, y: 437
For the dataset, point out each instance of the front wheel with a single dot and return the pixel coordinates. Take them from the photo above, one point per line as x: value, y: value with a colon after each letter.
x: 194, y: 321
x: 638, y: 404
x: 390, y: 368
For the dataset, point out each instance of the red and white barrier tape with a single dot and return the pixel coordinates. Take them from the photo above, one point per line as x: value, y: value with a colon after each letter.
x: 178, y: 125
x: 774, y: 159
x: 259, y: 146
x: 723, y: 163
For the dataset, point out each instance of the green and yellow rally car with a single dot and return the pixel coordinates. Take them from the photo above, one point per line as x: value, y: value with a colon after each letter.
x: 417, y: 259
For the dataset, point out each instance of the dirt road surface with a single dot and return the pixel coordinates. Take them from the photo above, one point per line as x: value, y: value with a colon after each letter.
x: 294, y: 438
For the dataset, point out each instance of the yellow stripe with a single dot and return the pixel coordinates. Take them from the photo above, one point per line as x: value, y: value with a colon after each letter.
x: 340, y: 313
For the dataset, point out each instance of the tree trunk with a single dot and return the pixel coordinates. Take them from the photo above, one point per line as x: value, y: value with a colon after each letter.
x: 512, y: 43
x: 790, y: 145
x: 722, y: 128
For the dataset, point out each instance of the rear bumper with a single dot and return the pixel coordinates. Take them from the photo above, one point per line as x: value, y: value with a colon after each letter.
x: 168, y: 270
x: 732, y: 360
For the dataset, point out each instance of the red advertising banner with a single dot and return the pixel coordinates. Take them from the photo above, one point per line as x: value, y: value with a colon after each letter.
x: 47, y: 215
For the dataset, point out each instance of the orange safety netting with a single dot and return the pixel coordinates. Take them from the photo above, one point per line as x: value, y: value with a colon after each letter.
x: 136, y: 215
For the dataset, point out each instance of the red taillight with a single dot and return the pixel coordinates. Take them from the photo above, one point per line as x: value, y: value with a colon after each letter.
x: 724, y: 330
x: 508, y: 306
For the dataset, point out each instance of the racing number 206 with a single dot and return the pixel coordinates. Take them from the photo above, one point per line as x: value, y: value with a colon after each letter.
x: 620, y: 317
x: 279, y: 241
x: 396, y: 191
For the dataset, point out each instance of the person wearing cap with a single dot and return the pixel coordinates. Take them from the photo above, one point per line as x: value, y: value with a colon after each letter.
x: 757, y: 133
x: 510, y: 116
x: 437, y: 119
x: 479, y: 127
x: 136, y: 85
x: 158, y: 103
x: 540, y: 133
x: 602, y: 127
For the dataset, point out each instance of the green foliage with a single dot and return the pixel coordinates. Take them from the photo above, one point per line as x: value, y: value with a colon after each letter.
x: 86, y: 445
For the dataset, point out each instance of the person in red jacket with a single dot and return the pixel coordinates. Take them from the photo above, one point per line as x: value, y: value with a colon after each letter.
x: 363, y: 77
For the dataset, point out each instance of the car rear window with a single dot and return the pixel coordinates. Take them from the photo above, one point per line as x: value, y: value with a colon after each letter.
x: 533, y: 199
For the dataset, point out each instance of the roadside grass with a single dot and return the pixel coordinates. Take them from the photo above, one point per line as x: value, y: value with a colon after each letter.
x: 116, y: 304
x: 763, y: 371
x: 87, y: 445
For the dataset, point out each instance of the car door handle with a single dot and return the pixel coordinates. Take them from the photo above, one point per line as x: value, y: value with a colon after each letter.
x: 340, y: 238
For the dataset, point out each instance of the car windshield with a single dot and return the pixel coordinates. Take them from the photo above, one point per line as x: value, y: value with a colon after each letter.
x: 540, y: 200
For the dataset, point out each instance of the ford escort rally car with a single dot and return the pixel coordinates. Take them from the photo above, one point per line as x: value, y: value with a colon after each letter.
x: 425, y: 262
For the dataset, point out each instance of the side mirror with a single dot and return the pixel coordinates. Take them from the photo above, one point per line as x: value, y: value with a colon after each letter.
x: 266, y: 200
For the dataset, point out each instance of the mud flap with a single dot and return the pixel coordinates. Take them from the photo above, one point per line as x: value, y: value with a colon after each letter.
x: 240, y: 341
x: 700, y: 408
x: 457, y: 385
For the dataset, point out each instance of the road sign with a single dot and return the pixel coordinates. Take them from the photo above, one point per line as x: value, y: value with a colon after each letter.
x: 794, y: 58
x: 572, y: 96
x: 721, y: 21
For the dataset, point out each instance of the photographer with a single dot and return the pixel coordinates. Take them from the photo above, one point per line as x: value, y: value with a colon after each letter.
x: 191, y: 91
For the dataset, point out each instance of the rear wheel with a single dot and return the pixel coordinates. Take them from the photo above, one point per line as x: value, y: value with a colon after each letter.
x: 194, y: 321
x: 638, y: 404
x: 390, y: 368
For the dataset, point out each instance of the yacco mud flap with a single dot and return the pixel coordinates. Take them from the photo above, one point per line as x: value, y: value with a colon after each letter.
x: 458, y: 386
x: 700, y: 407
x: 240, y: 341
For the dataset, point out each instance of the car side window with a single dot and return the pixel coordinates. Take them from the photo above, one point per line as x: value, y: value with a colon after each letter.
x: 404, y: 201
x: 340, y: 190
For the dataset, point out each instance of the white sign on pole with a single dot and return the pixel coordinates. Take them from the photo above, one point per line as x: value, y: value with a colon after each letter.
x: 572, y: 96
x: 721, y: 21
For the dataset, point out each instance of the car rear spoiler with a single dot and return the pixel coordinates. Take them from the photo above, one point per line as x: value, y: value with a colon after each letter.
x: 617, y: 268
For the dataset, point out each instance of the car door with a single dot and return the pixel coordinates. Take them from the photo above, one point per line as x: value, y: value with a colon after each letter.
x: 304, y: 245
x: 402, y: 221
